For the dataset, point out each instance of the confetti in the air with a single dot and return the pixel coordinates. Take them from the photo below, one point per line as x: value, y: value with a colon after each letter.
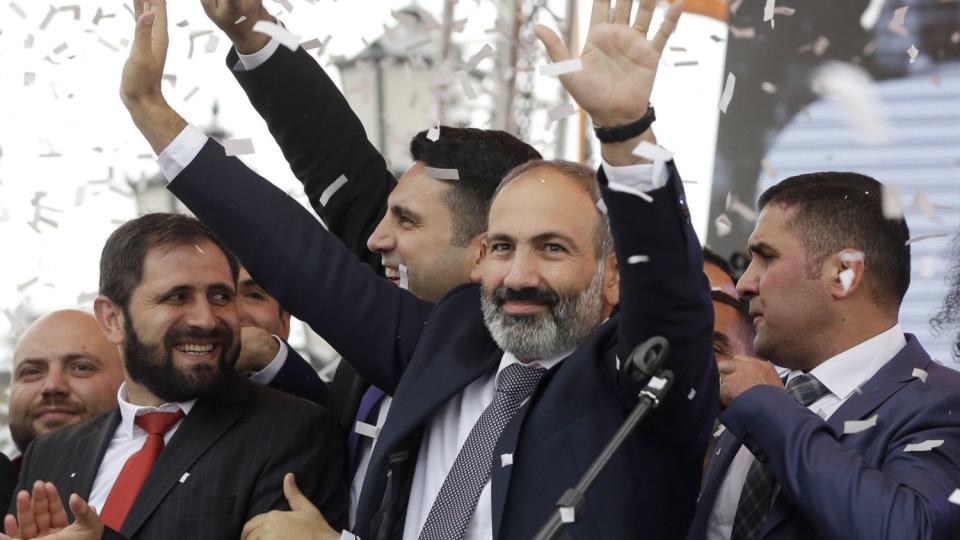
x: 851, y: 427
x: 561, y: 68
x: 442, y: 174
x: 920, y: 374
x: 727, y: 92
x: 896, y: 24
x: 743, y: 33
x: 955, y: 497
x: 723, y: 225
x: 238, y: 147
x: 924, y: 446
x: 466, y: 84
x: 692, y: 393
x: 912, y: 53
x: 846, y: 278
x: 240, y: 19
x: 635, y: 259
x: 332, y: 189
x: 768, y: 87
x: 851, y: 256
x: 404, y: 277
x: 366, y: 430
x: 892, y: 205
x: 506, y: 459
x: 623, y: 188
x: 923, y: 237
x: 281, y: 34
x: 851, y: 88
x: 567, y: 514
x: 433, y: 134
x: 561, y: 111
x: 198, y: 249
x: 768, y: 11
x: 485, y: 52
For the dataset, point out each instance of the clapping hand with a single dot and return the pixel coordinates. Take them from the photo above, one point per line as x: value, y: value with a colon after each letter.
x: 41, y: 515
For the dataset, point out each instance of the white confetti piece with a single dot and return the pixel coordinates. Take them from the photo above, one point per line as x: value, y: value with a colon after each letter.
x: 281, y: 34
x: 923, y: 237
x: 240, y: 20
x: 955, y: 37
x: 434, y: 134
x: 851, y: 256
x: 768, y: 87
x: 896, y: 23
x: 784, y: 10
x: 955, y: 497
x: 636, y: 259
x: 347, y: 535
x: 852, y: 89
x: 506, y: 459
x: 821, y: 45
x: 29, y: 78
x: 719, y: 431
x: 652, y: 152
x: 851, y: 427
x: 16, y: 9
x: 892, y: 207
x: 623, y: 188
x: 561, y: 68
x: 727, y: 92
x: 743, y: 33
x: 485, y: 52
x: 602, y: 207
x: 768, y: 11
x: 442, y: 174
x: 686, y: 63
x: 723, y: 225
x: 567, y: 514
x: 466, y: 84
x: 912, y: 52
x: 846, y: 278
x: 920, y: 374
x: 739, y: 208
x: 73, y: 475
x: 184, y: 477
x: 404, y: 277
x: 692, y: 394
x: 561, y: 111
x: 366, y: 430
x: 332, y: 189
x: 238, y: 147
x: 198, y: 249
x: 924, y: 446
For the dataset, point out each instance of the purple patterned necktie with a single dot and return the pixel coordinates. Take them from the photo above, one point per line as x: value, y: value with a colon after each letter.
x: 454, y: 505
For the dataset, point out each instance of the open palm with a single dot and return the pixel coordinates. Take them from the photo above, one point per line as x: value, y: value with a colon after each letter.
x: 619, y: 61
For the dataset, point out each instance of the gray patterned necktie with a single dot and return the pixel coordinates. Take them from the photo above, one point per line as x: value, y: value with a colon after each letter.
x: 757, y: 495
x: 454, y: 505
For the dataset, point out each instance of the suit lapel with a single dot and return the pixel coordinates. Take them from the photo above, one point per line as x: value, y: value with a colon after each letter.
x: 90, y: 449
x: 893, y: 376
x: 209, y: 419
x: 726, y: 447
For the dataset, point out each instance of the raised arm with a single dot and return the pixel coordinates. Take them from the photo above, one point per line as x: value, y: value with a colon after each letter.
x: 284, y: 248
x: 663, y: 291
x: 320, y: 136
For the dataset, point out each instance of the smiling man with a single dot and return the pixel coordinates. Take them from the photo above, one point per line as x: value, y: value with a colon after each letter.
x: 64, y: 372
x: 183, y: 455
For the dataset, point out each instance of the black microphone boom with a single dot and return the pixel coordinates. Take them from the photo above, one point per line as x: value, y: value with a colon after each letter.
x: 643, y: 366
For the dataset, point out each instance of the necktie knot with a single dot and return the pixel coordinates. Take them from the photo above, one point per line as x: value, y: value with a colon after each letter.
x: 519, y: 381
x: 806, y: 389
x: 158, y: 423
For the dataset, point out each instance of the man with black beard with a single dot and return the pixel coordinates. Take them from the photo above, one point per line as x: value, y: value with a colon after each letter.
x: 193, y: 450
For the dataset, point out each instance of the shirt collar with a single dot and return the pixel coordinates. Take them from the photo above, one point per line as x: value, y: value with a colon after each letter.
x: 129, y: 411
x: 844, y: 373
x: 545, y: 363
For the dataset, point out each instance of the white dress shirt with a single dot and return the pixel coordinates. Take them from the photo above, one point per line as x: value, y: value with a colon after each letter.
x: 267, y: 374
x: 127, y: 440
x: 842, y: 375
x: 366, y: 445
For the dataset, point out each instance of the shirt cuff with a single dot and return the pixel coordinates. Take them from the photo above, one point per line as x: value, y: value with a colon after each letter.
x: 266, y: 375
x: 252, y: 61
x: 182, y: 151
x: 642, y: 177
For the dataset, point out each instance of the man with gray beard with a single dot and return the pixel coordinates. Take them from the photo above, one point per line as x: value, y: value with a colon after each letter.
x: 504, y: 392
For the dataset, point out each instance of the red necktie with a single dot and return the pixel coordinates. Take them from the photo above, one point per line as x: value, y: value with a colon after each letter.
x: 137, y: 467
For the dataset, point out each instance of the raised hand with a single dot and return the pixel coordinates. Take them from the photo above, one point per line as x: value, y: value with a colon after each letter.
x: 302, y: 522
x: 143, y: 71
x: 236, y: 18
x: 41, y: 515
x: 619, y: 61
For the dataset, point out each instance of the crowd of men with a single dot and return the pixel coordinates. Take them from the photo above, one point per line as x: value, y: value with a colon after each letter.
x: 487, y: 325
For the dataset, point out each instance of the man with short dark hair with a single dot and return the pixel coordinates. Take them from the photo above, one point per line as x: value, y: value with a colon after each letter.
x: 183, y: 456
x: 862, y: 444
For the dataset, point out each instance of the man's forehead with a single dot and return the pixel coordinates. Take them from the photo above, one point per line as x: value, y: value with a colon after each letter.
x: 199, y: 265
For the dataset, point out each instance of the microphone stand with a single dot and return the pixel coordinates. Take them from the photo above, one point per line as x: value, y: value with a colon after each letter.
x: 644, y: 367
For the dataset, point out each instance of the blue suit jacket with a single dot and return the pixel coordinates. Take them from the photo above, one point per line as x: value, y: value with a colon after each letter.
x: 857, y: 486
x: 298, y: 378
x: 424, y: 354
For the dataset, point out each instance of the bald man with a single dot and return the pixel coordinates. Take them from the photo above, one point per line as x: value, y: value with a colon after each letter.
x: 64, y: 372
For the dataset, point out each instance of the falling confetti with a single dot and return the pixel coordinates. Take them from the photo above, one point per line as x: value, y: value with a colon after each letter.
x: 920, y: 374
x: 332, y: 189
x: 924, y: 446
x: 442, y: 174
x: 281, y: 34
x: 727, y: 92
x: 912, y: 52
x: 896, y: 24
x: 238, y: 147
x: 561, y: 111
x: 851, y: 427
x: 635, y: 259
x: 723, y: 225
x: 561, y: 68
x: 923, y: 237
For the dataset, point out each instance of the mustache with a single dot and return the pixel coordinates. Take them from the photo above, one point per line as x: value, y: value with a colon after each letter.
x: 70, y: 406
x: 220, y: 334
x: 536, y: 295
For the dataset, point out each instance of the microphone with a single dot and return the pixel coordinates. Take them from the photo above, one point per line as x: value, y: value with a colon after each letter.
x: 646, y: 359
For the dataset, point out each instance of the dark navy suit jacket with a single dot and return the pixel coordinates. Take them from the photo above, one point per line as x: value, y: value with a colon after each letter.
x: 424, y: 354
x: 298, y: 378
x: 856, y: 486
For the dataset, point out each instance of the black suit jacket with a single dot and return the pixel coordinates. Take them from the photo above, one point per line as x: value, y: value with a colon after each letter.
x: 298, y: 378
x: 236, y: 447
x: 321, y: 138
x: 424, y: 354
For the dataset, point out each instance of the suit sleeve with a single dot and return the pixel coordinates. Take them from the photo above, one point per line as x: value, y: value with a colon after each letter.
x: 322, y: 139
x: 298, y: 378
x: 666, y: 294
x: 314, y: 452
x: 308, y: 270
x: 906, y: 497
